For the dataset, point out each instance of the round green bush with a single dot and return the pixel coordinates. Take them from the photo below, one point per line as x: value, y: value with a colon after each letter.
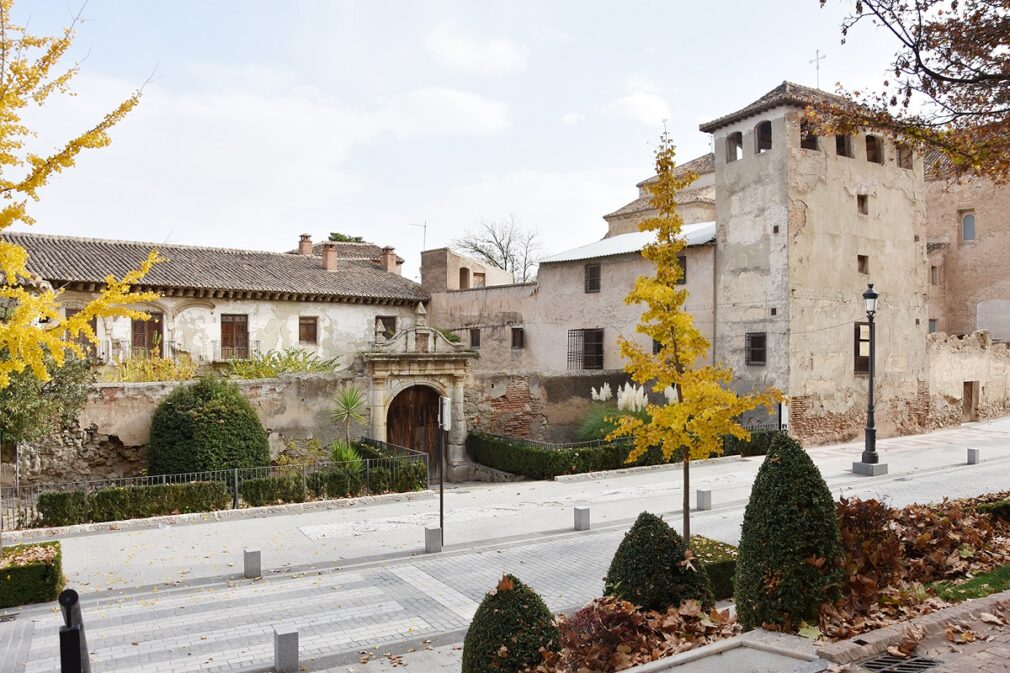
x: 204, y: 426
x: 649, y: 568
x: 790, y: 554
x: 508, y: 630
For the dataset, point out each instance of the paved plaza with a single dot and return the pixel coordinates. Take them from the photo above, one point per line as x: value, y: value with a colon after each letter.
x: 354, y: 581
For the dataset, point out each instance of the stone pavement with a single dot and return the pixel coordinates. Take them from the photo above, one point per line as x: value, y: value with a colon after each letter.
x: 170, y: 600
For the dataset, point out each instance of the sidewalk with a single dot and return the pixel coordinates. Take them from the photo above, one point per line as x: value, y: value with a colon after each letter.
x: 171, y: 601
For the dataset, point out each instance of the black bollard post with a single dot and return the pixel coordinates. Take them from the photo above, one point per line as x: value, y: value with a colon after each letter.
x: 72, y: 634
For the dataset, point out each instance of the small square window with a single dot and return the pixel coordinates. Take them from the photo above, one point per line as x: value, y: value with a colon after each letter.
x: 775, y: 229
x: 775, y: 311
x: 843, y: 146
x: 517, y: 338
x: 863, y: 204
x: 756, y: 348
x: 916, y: 322
x: 863, y: 263
x: 592, y: 278
x: 475, y: 337
x: 308, y: 329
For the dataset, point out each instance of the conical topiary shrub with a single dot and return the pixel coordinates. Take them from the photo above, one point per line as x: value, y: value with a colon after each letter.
x: 790, y: 547
x: 650, y: 568
x: 508, y: 630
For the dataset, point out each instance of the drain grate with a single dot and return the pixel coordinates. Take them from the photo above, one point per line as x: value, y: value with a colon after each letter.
x: 888, y: 663
x: 8, y: 618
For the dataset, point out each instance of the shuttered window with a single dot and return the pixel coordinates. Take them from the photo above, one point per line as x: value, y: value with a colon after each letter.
x: 234, y: 336
x: 148, y: 336
x: 308, y: 330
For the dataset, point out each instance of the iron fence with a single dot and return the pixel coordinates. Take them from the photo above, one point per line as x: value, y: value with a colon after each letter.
x: 19, y: 504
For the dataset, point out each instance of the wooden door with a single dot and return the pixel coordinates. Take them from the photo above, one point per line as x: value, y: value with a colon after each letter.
x: 412, y: 422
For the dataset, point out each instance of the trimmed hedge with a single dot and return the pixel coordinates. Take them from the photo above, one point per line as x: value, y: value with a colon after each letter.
x: 131, y: 502
x: 999, y: 509
x: 272, y: 490
x: 340, y: 482
x: 205, y: 426
x: 545, y: 463
x: 31, y: 581
x: 719, y: 560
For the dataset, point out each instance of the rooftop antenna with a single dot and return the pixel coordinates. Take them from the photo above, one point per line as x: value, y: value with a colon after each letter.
x: 817, y: 64
x: 424, y: 233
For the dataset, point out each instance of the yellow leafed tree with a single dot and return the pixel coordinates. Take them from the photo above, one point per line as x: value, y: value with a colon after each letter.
x: 704, y: 409
x: 30, y: 322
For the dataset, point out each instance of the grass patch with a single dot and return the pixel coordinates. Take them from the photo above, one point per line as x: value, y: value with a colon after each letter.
x: 979, y: 586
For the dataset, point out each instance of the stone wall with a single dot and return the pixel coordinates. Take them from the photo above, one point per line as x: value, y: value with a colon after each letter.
x: 112, y: 432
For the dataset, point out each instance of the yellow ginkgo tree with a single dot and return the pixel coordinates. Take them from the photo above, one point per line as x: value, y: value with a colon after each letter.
x: 704, y: 409
x: 31, y: 326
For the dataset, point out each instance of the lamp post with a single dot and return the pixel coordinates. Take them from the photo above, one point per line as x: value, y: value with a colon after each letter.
x: 870, y: 464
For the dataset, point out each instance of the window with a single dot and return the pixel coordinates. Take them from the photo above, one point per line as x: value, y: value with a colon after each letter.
x: 863, y: 264
x: 517, y: 338
x: 656, y: 347
x: 464, y: 278
x: 585, y: 349
x: 874, y: 149
x: 808, y: 140
x: 775, y: 229
x: 756, y: 348
x: 904, y: 156
x: 861, y: 364
x: 775, y: 311
x: 234, y: 336
x: 479, y: 279
x: 734, y: 147
x: 308, y: 330
x: 968, y: 225
x: 682, y: 260
x: 90, y: 350
x: 385, y: 325
x: 934, y: 275
x: 762, y: 137
x: 148, y: 336
x: 592, y: 277
x: 843, y: 146
x: 932, y: 325
x: 475, y: 337
x: 863, y: 204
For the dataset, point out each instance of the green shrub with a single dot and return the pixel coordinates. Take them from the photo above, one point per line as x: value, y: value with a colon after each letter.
x: 206, y: 426
x: 719, y: 561
x: 508, y: 630
x: 342, y: 453
x: 30, y: 573
x: 272, y: 490
x: 999, y: 509
x: 64, y: 508
x: 274, y: 363
x: 790, y: 547
x: 758, y: 444
x: 649, y: 568
x: 546, y: 463
x: 139, y: 502
x: 343, y: 481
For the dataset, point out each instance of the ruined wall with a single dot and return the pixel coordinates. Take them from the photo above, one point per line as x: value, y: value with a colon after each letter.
x: 954, y: 361
x: 113, y: 428
x: 977, y: 291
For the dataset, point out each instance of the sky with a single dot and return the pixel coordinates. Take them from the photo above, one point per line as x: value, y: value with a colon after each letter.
x: 263, y: 120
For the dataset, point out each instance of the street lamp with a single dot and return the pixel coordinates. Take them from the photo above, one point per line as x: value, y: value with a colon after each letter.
x: 870, y: 464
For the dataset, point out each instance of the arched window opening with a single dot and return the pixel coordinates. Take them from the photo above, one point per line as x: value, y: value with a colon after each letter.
x: 968, y: 226
x: 734, y: 147
x: 464, y: 278
x: 763, y: 137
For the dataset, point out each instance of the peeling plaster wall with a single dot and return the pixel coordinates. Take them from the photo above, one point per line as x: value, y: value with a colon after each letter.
x: 976, y: 287
x: 826, y: 286
x: 193, y: 326
x: 954, y: 361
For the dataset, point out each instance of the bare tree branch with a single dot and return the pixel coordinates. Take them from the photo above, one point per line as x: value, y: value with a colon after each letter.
x: 504, y: 244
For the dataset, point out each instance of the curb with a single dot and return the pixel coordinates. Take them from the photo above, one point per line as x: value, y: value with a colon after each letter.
x: 603, y: 474
x: 43, y: 534
x: 876, y: 642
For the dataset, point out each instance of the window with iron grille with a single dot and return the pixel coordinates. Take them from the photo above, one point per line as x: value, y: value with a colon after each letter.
x: 756, y: 348
x: 234, y: 336
x: 861, y: 357
x: 517, y: 338
x: 475, y: 337
x: 585, y: 349
x: 385, y: 325
x: 308, y: 329
x: 682, y: 260
x: 592, y: 277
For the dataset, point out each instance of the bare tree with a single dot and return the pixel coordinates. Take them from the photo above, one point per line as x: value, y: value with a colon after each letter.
x: 504, y: 244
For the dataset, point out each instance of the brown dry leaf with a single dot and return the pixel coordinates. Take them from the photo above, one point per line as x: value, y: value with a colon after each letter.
x: 503, y: 652
x: 895, y: 651
x: 505, y: 584
x: 990, y: 618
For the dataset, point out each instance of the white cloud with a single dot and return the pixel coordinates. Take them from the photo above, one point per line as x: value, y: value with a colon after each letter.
x: 573, y: 118
x: 443, y: 111
x: 643, y: 102
x: 453, y: 48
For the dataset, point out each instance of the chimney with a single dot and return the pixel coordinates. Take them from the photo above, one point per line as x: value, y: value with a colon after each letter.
x: 330, y: 256
x: 389, y: 259
x: 305, y: 245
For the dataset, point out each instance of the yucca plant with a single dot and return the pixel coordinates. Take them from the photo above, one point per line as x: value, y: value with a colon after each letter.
x: 345, y: 453
x: 350, y: 406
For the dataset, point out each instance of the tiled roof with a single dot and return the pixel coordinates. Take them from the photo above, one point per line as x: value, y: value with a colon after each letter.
x: 350, y: 250
x: 700, y: 165
x: 644, y: 203
x: 786, y: 93
x: 66, y: 260
x: 622, y: 244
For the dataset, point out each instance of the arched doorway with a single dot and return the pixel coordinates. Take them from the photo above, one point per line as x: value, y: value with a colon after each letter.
x: 412, y: 421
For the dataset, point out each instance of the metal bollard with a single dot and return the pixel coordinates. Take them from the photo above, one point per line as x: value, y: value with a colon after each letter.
x: 286, y: 650
x: 251, y: 564
x: 73, y: 642
x: 581, y: 518
x: 704, y: 500
x: 974, y: 456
